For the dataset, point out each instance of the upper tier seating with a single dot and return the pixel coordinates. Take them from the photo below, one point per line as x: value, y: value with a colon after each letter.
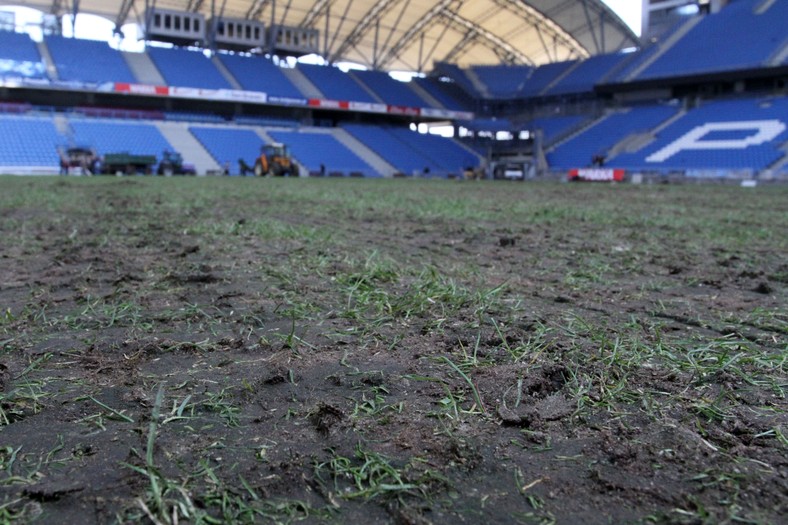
x: 639, y: 57
x: 87, y: 60
x: 389, y: 90
x: 227, y: 145
x: 543, y: 76
x: 503, y: 81
x: 579, y: 151
x: 722, y: 155
x: 311, y: 149
x: 734, y: 38
x: 184, y: 68
x: 449, y: 94
x: 19, y: 56
x: 260, y: 74
x: 334, y: 84
x: 459, y: 76
x: 587, y: 73
x: 28, y: 141
x: 117, y: 137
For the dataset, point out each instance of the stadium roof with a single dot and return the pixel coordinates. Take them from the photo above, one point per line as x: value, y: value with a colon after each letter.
x: 408, y: 34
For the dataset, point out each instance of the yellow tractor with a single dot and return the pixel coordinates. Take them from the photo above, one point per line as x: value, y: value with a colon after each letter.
x: 275, y: 160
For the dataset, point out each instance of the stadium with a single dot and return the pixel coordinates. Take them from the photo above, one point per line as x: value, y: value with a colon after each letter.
x: 375, y: 297
x: 534, y: 90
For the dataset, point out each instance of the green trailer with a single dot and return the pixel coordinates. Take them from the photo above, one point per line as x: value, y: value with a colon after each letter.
x: 128, y: 164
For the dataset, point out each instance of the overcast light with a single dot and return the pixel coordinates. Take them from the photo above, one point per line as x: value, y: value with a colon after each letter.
x: 629, y: 11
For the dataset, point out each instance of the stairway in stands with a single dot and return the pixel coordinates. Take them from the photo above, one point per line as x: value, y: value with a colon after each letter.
x: 143, y: 68
x: 182, y: 141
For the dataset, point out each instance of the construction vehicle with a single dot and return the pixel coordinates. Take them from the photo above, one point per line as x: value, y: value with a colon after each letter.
x: 78, y: 159
x: 172, y: 164
x: 275, y: 160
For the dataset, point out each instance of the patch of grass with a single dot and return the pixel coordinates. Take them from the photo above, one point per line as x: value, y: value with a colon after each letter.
x: 369, y: 475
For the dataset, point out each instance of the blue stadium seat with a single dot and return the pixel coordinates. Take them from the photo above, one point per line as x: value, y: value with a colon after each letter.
x: 29, y: 141
x: 722, y: 156
x: 19, y: 56
x: 413, y: 153
x: 503, y: 81
x: 584, y: 77
x: 116, y: 137
x: 734, y: 38
x: 312, y: 149
x: 87, y: 60
x: 260, y: 74
x: 554, y: 127
x: 334, y: 84
x: 226, y: 145
x: 448, y: 93
x: 599, y: 138
x: 543, y: 76
x: 389, y: 90
x: 184, y: 68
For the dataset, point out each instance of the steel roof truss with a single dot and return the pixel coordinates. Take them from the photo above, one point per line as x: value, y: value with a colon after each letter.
x: 366, y: 23
x: 491, y: 40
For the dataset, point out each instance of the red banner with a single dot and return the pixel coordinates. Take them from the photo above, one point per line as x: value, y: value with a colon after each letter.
x: 141, y: 89
x: 596, y: 175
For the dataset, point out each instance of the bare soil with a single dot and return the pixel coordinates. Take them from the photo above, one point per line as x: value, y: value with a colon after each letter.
x: 405, y: 352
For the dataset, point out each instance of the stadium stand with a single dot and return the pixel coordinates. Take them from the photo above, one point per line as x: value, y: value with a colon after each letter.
x: 334, y: 84
x: 118, y: 136
x: 635, y: 60
x: 19, y: 56
x: 119, y: 113
x: 184, y: 68
x: 460, y: 77
x: 503, y: 81
x: 448, y: 157
x: 554, y: 128
x: 389, y: 90
x: 740, y: 36
x: 29, y: 141
x: 227, y: 145
x: 266, y: 122
x: 313, y: 149
x: 727, y: 122
x: 393, y: 151
x: 543, y: 76
x: 259, y: 74
x: 414, y: 153
x: 105, y: 64
x: 192, y: 116
x: 447, y: 93
x: 582, y: 78
x: 579, y: 150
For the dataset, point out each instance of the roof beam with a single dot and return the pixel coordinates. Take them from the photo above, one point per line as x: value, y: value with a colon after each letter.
x: 428, y: 19
x: 358, y: 32
x: 499, y: 46
x: 123, y: 13
x: 194, y: 5
x: 256, y: 8
x: 591, y: 25
x: 320, y: 7
x: 394, y: 28
x: 544, y: 23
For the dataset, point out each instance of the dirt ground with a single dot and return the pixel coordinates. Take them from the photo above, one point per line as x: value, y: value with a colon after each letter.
x: 221, y: 350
